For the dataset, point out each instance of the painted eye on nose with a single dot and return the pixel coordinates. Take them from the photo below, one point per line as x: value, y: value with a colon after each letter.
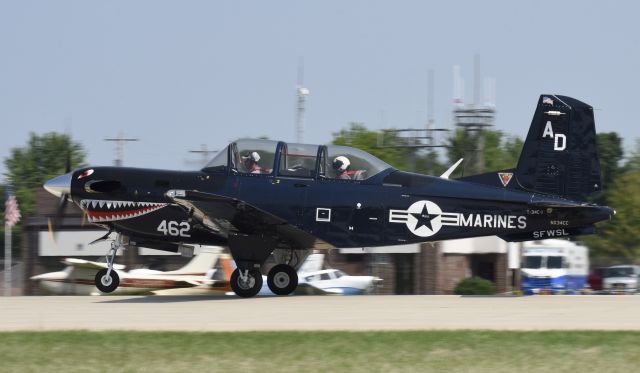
x: 85, y: 173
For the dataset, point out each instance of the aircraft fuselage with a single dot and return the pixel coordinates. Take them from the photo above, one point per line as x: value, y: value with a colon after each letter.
x: 342, y: 213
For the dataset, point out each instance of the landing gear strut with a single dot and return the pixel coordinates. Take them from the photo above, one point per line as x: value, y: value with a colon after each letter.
x: 250, y: 252
x: 107, y: 280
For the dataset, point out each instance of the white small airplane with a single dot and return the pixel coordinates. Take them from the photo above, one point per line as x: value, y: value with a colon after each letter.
x: 334, y: 281
x: 312, y: 279
x: 205, y: 269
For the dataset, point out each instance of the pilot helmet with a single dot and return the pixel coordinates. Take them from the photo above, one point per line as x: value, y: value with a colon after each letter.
x: 252, y: 157
x: 341, y: 163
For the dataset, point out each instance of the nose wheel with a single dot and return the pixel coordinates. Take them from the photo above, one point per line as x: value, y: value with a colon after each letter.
x: 107, y: 282
x: 282, y: 279
x: 246, y: 283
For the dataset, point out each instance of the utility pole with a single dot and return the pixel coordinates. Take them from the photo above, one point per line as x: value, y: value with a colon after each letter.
x: 301, y: 94
x: 120, y: 141
x: 204, y: 152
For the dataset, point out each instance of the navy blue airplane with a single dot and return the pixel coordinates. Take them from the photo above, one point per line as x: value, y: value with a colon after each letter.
x: 260, y: 197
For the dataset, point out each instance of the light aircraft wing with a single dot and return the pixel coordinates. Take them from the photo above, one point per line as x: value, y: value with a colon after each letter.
x: 87, y: 264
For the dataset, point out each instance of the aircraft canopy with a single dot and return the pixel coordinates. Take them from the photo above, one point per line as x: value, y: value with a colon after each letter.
x: 257, y: 156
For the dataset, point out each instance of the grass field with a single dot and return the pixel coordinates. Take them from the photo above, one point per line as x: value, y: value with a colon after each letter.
x: 435, y: 351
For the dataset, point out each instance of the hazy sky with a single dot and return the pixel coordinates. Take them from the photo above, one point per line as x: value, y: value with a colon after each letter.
x: 184, y: 73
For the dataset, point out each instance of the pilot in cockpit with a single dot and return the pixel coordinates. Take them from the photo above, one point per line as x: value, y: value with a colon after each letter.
x: 341, y: 165
x: 250, y: 162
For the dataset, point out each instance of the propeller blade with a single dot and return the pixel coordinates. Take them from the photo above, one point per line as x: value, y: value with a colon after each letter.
x: 67, y: 163
x: 52, y: 234
x: 62, y: 205
x: 57, y: 218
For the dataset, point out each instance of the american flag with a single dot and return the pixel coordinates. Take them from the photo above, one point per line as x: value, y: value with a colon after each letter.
x: 11, y: 211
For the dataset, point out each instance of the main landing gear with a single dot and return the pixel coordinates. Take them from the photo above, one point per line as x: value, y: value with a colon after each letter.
x: 246, y: 283
x: 282, y: 280
x: 250, y: 252
x: 107, y: 279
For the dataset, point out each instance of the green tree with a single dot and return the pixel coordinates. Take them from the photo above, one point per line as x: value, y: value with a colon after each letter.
x: 610, y: 154
x: 620, y: 238
x: 429, y: 163
x: 633, y: 162
x: 358, y: 136
x: 42, y: 158
x: 500, y: 151
x: 3, y: 197
x: 403, y: 158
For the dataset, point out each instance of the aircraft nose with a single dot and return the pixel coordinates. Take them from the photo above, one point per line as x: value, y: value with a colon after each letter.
x: 59, y: 185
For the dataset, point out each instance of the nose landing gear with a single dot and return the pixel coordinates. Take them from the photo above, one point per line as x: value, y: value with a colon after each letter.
x: 107, y: 279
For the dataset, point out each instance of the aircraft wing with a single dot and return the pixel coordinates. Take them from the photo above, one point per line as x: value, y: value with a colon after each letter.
x: 87, y: 264
x: 224, y: 215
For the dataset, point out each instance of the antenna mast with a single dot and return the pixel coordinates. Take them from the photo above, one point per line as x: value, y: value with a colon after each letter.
x: 473, y: 118
x: 301, y: 93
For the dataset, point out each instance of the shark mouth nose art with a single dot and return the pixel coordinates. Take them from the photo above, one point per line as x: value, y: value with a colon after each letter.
x: 102, y: 210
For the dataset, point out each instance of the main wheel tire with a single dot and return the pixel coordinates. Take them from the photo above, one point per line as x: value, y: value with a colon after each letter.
x: 249, y: 288
x: 282, y: 279
x: 107, y: 284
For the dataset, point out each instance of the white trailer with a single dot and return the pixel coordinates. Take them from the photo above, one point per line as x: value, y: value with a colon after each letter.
x: 554, y: 265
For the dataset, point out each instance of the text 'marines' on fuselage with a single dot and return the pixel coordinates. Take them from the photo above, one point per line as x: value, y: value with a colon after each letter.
x: 260, y: 197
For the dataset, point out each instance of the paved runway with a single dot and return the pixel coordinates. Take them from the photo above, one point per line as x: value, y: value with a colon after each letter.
x: 201, y: 313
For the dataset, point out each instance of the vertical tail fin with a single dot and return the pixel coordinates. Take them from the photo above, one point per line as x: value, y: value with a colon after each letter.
x: 312, y: 263
x: 560, y: 153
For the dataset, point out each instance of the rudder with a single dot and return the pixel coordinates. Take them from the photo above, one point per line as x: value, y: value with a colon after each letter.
x: 560, y: 153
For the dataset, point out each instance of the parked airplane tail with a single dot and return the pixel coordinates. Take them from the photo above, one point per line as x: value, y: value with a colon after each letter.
x: 560, y: 155
x: 313, y: 263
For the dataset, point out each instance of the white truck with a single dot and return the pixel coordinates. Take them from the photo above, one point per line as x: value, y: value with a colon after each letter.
x: 554, y: 265
x: 621, y: 279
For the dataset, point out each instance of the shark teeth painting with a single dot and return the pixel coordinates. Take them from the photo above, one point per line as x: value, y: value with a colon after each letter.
x: 104, y: 210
